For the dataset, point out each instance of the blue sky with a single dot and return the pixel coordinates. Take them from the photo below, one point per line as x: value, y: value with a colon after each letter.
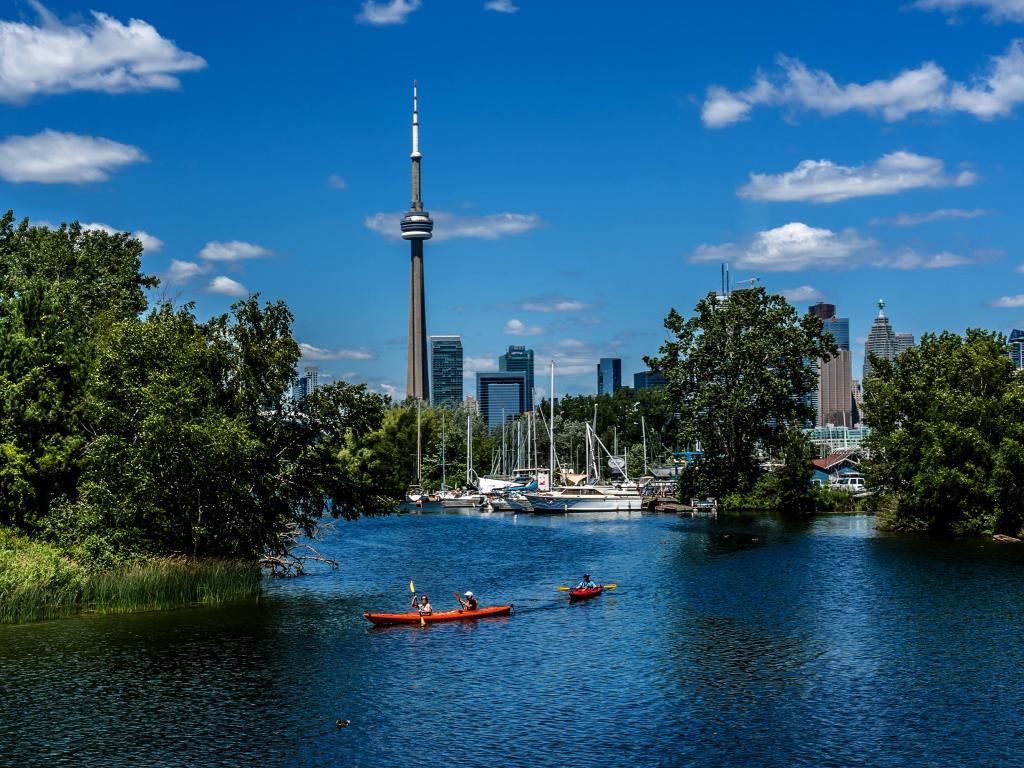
x: 589, y: 164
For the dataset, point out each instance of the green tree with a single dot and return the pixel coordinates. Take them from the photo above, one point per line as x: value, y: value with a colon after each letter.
x: 42, y: 373
x: 738, y: 373
x: 947, y: 438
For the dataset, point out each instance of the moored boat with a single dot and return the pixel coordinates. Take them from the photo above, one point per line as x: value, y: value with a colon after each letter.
x: 385, y: 619
x: 583, y: 594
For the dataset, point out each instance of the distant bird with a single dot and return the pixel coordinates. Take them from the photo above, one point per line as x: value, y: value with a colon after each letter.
x: 342, y: 723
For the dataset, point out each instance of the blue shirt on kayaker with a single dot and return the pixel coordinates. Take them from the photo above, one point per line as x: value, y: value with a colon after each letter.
x: 586, y: 583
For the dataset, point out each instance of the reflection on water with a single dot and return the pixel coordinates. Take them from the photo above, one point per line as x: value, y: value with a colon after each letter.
x: 728, y: 643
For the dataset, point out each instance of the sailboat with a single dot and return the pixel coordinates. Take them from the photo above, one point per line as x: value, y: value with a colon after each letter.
x: 588, y: 497
x: 415, y: 494
x: 467, y: 499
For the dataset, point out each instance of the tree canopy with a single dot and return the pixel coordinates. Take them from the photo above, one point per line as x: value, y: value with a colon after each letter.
x: 739, y: 371
x: 947, y: 439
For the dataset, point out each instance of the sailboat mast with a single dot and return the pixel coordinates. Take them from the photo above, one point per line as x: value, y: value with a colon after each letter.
x: 643, y: 431
x: 551, y: 432
x: 419, y: 445
x: 444, y: 483
x: 469, y: 449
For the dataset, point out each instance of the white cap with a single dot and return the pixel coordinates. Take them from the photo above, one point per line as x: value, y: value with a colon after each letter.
x: 468, y: 593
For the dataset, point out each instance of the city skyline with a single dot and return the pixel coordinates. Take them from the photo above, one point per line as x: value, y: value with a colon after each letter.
x: 893, y: 176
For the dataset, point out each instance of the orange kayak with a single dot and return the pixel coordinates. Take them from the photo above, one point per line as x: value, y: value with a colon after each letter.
x: 383, y: 619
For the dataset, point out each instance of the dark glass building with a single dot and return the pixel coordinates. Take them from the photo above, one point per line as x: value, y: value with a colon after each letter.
x: 648, y: 380
x: 501, y: 395
x: 446, y: 370
x: 609, y: 375
x: 1017, y: 349
x: 519, y: 358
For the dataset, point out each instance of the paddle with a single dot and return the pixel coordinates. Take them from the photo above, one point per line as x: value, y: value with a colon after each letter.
x: 412, y: 588
x: 458, y: 597
x: 603, y: 586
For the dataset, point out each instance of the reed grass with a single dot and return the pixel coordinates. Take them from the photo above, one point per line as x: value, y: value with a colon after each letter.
x: 38, y: 581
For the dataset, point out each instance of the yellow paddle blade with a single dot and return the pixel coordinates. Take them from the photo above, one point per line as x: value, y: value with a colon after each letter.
x: 423, y: 622
x: 609, y: 586
x: 562, y: 589
x: 412, y: 587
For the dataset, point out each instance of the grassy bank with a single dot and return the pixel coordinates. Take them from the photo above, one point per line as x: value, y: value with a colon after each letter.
x: 38, y: 581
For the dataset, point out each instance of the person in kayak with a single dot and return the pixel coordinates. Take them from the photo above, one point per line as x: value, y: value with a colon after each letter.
x: 423, y: 606
x: 470, y: 603
x: 586, y: 583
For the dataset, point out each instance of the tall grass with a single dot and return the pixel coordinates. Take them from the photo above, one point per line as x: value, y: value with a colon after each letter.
x: 38, y: 581
x: 171, y: 583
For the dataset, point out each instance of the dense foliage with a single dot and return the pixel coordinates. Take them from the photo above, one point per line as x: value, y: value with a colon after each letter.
x: 739, y: 370
x: 125, y: 434
x: 947, y: 437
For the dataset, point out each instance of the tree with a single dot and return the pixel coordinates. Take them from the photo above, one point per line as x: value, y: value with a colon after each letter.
x: 947, y: 440
x: 42, y: 373
x: 738, y: 373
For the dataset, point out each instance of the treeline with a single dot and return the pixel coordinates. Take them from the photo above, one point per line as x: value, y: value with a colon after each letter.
x: 947, y: 438
x: 132, y: 430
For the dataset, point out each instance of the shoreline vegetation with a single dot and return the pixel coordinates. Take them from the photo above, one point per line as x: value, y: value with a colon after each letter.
x: 132, y: 431
x: 39, y: 582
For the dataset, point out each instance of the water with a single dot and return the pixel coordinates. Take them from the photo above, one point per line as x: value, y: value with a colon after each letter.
x: 743, y: 643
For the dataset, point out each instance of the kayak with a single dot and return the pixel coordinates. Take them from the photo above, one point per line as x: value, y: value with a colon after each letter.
x: 383, y: 619
x: 583, y: 594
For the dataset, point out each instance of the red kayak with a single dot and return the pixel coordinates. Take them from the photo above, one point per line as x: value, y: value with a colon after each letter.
x: 583, y: 594
x: 385, y: 619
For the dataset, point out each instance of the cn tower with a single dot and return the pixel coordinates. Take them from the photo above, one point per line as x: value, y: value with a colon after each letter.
x: 417, y: 226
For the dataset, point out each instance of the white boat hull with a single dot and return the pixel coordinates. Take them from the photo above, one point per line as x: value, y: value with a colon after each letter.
x: 585, y: 503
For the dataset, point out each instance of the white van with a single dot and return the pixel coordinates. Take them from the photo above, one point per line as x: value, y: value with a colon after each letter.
x: 851, y: 483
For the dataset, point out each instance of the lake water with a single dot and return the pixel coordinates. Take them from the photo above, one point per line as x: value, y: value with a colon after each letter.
x: 729, y: 643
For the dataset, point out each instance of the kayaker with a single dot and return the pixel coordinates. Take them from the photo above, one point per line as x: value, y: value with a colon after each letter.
x: 470, y: 603
x: 586, y: 583
x: 423, y: 606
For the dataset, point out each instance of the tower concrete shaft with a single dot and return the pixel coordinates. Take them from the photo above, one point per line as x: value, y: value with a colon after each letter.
x: 417, y: 226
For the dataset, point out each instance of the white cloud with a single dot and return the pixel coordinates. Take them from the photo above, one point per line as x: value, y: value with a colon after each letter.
x: 516, y: 327
x: 182, y: 271
x: 995, y: 10
x: 822, y: 181
x: 471, y: 365
x: 227, y: 287
x: 309, y: 352
x: 924, y: 89
x: 233, y: 250
x: 448, y: 226
x: 943, y: 214
x: 908, y: 258
x: 1009, y: 302
x: 501, y: 6
x: 150, y: 243
x: 795, y: 247
x: 790, y: 248
x: 101, y: 55
x: 52, y: 157
x: 381, y: 13
x: 336, y: 182
x: 554, y: 304
x: 803, y: 293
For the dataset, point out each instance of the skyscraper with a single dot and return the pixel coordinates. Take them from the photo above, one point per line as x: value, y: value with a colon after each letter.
x: 648, y: 380
x: 306, y: 385
x: 519, y: 358
x: 1016, y: 345
x: 835, y: 390
x: 609, y: 375
x: 501, y: 395
x: 417, y: 226
x: 833, y: 399
x: 446, y: 370
x: 883, y: 342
